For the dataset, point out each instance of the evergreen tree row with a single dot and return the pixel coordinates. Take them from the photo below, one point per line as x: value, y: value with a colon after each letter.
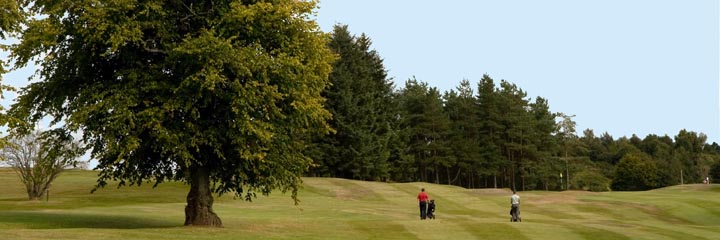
x: 491, y: 136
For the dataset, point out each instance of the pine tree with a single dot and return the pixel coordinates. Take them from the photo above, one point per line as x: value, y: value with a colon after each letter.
x: 543, y: 144
x: 517, y: 132
x: 491, y: 131
x: 462, y: 110
x: 427, y: 129
x: 360, y: 102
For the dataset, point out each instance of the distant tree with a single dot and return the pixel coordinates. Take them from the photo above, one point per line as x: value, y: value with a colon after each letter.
x: 634, y: 172
x: 544, y: 145
x: 662, y: 153
x: 592, y: 143
x: 222, y: 95
x: 360, y: 101
x: 635, y: 141
x: 715, y: 172
x: 592, y: 180
x: 566, y: 132
x: 461, y: 108
x: 401, y: 162
x: 428, y: 128
x: 713, y: 148
x: 519, y: 129
x: 435, y: 128
x: 490, y: 112
x: 568, y: 140
x: 609, y: 151
x: 38, y: 158
x: 688, y: 150
x: 84, y: 165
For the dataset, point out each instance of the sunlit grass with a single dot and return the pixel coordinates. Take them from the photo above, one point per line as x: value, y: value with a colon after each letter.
x: 345, y: 209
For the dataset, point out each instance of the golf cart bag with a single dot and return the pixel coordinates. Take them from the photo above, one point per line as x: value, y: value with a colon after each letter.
x: 431, y: 209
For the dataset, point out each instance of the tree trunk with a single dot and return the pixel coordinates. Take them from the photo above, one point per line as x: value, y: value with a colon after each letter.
x: 457, y: 176
x: 495, y: 180
x: 437, y: 174
x: 198, y: 211
x: 447, y: 171
x: 34, y: 192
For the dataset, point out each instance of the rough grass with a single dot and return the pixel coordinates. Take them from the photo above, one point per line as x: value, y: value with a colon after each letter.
x: 345, y: 209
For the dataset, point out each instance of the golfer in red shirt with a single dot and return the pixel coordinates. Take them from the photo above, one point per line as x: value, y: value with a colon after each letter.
x: 422, y: 199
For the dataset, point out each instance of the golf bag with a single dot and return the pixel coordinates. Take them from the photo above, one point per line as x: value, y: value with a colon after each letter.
x: 431, y: 209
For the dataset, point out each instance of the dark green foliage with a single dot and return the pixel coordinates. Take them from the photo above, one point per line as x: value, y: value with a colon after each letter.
x: 491, y: 130
x: 426, y: 128
x: 660, y: 149
x: 542, y: 167
x: 462, y: 110
x: 401, y: 161
x: 713, y: 148
x: 360, y: 102
x: 590, y: 179
x: 715, y: 172
x: 688, y: 149
x: 635, y: 172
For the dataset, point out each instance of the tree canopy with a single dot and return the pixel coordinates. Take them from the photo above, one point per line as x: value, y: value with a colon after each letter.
x: 360, y: 102
x: 220, y: 94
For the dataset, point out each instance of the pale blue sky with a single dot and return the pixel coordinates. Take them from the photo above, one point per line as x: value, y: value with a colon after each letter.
x: 640, y: 66
x: 623, y: 67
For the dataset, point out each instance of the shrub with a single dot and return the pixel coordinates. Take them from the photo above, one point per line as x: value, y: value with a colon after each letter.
x: 634, y: 172
x: 591, y: 180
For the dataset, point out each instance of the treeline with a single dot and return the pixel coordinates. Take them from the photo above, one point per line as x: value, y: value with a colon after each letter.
x: 488, y: 135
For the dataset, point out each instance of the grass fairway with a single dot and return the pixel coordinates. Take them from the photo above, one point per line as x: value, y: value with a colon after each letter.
x: 345, y: 209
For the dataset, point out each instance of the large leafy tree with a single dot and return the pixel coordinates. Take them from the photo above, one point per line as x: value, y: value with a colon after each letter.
x: 220, y: 94
x: 360, y: 102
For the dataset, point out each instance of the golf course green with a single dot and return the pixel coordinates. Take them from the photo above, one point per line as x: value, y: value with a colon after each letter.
x: 345, y: 209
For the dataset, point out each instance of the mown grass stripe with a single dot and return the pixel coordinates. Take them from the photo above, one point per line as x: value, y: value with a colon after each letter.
x: 371, y: 210
x: 493, y: 231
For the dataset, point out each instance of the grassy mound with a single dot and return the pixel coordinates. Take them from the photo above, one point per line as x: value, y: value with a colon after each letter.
x: 346, y: 209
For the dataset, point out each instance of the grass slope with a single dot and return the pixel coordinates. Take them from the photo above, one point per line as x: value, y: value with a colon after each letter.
x: 345, y: 209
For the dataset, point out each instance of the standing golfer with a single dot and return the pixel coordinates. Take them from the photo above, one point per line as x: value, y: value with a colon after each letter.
x: 422, y: 199
x: 515, y: 207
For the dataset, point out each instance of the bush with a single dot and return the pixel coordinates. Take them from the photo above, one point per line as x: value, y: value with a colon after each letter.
x: 591, y: 180
x: 715, y: 172
x: 635, y: 172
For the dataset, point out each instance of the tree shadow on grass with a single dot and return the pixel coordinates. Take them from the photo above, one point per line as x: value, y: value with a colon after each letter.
x: 54, y: 220
x: 18, y: 199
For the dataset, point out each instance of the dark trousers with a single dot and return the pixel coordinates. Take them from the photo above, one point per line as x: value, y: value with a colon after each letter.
x: 515, y: 212
x: 423, y: 210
